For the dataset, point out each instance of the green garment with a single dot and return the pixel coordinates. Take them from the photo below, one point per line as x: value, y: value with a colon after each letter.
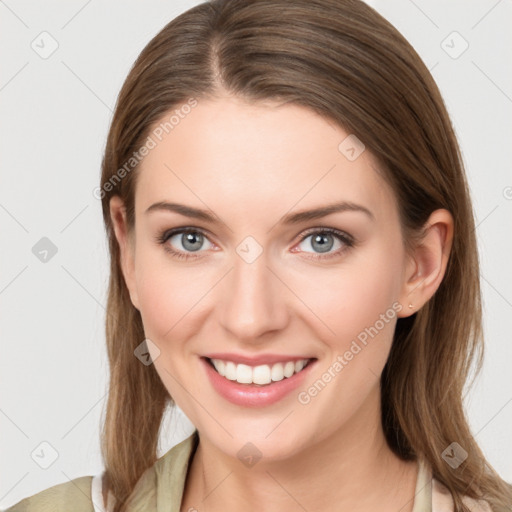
x: 160, y: 489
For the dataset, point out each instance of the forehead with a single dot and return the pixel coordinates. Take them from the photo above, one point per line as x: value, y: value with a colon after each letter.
x: 238, y: 157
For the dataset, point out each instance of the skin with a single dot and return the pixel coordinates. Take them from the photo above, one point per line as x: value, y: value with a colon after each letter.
x: 250, y: 164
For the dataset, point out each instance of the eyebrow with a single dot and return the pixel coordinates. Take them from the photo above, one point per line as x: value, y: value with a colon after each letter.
x: 290, y: 218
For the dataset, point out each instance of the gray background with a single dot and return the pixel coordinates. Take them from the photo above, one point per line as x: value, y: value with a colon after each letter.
x: 55, y: 113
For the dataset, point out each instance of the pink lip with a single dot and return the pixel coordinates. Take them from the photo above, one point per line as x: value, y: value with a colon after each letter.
x: 253, y: 395
x: 255, y: 360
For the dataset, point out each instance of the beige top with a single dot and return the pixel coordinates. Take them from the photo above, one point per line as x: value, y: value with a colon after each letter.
x: 160, y: 489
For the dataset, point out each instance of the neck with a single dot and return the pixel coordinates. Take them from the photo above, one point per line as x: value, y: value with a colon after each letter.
x: 352, y: 469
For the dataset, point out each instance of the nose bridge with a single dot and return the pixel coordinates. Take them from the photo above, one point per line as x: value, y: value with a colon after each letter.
x: 252, y: 300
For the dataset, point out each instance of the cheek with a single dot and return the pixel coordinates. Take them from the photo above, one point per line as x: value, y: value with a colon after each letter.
x: 354, y: 296
x: 163, y: 291
x: 368, y: 319
x: 359, y: 305
x: 165, y: 299
x: 173, y: 298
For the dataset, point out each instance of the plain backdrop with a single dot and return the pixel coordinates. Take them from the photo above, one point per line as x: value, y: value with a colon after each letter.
x: 54, y: 116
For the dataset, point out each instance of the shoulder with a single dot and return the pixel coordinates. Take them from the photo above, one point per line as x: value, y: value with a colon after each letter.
x: 442, y: 500
x: 73, y: 495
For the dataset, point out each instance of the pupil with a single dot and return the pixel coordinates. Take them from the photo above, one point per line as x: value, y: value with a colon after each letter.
x: 323, y: 246
x: 190, y: 238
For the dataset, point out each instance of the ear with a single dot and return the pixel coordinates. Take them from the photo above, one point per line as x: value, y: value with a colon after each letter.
x: 126, y: 246
x: 426, y: 267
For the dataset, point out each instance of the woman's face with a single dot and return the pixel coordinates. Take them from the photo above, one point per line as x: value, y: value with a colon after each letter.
x: 259, y: 281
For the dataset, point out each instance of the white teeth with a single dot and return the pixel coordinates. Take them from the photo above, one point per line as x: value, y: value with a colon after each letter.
x: 243, y: 374
x: 277, y: 372
x: 289, y: 369
x: 262, y: 375
x: 221, y: 367
x: 230, y: 369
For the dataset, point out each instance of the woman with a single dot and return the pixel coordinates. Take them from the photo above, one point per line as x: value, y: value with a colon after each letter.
x: 293, y: 263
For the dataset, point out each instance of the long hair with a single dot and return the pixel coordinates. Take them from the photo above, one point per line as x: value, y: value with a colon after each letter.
x: 344, y: 61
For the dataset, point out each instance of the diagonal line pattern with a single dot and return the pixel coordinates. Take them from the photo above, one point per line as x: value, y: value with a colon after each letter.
x: 301, y: 198
x: 199, y: 403
x: 85, y: 85
x: 197, y: 196
x: 74, y: 218
x: 291, y: 496
x: 13, y: 279
x: 424, y: 14
x: 485, y: 15
x: 76, y: 14
x: 496, y: 290
x: 14, y: 14
x: 14, y: 218
x: 301, y: 300
x: 217, y: 486
x: 198, y: 301
x: 9, y: 491
x: 491, y: 80
x: 76, y: 424
x: 14, y: 76
x: 82, y: 286
x: 14, y: 423
x: 413, y: 499
x: 488, y: 215
x: 96, y: 505
x: 292, y: 411
x: 503, y: 407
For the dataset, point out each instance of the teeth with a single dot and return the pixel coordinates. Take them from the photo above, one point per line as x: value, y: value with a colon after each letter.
x: 263, y: 374
x: 289, y: 369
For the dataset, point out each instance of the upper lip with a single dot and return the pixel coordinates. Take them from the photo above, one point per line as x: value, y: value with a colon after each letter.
x: 256, y: 360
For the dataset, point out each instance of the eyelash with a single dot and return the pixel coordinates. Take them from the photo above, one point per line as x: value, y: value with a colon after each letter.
x: 345, y: 238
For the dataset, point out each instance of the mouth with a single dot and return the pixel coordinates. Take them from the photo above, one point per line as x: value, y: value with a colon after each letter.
x: 261, y: 375
x: 256, y: 385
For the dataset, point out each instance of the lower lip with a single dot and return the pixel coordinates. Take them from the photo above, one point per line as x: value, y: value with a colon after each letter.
x: 252, y: 395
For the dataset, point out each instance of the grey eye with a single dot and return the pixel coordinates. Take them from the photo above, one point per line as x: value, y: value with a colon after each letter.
x: 190, y: 241
x: 321, y: 242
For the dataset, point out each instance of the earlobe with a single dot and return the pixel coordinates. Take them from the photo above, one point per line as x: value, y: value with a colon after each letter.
x: 426, y: 267
x: 126, y: 248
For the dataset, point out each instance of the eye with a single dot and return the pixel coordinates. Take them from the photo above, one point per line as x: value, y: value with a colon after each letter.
x: 190, y: 239
x: 324, y: 239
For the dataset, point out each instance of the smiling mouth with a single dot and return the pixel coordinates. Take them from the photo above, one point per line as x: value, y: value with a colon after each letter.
x: 261, y: 375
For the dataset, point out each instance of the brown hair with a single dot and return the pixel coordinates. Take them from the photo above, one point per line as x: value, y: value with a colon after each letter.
x: 343, y: 60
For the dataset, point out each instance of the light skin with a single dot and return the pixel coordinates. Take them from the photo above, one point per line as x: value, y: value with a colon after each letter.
x: 250, y: 165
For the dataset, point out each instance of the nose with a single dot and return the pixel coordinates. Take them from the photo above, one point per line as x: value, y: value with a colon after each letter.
x: 253, y: 300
